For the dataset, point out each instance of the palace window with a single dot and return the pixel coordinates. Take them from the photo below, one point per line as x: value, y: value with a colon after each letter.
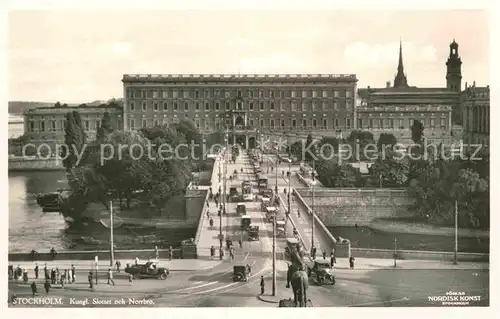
x: 132, y: 124
x: 272, y: 106
x: 294, y: 123
x: 228, y: 106
x: 250, y: 106
x: 207, y: 106
x: 294, y: 106
x: 156, y: 123
x: 315, y: 93
x: 282, y: 123
x: 196, y: 94
x: 335, y: 93
x: 164, y: 94
x: 261, y: 106
x: 144, y: 123
x: 176, y: 106
x: 144, y: 106
x: 132, y: 106
x: 185, y: 94
x: 186, y: 106
x: 272, y: 123
x: 325, y: 123
x: 155, y: 106
x: 175, y: 94
x: 315, y: 123
x: 217, y: 106
x: 165, y: 106
x: 304, y: 123
x: 360, y: 123
x: 325, y: 93
x: 155, y: 94
x: 197, y: 106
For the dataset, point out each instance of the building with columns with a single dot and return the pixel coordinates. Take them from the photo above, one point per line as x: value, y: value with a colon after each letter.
x: 47, y: 124
x: 476, y: 114
x: 394, y: 108
x: 248, y: 106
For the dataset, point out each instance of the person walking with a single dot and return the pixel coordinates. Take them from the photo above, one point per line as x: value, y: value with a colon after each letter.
x: 118, y: 265
x: 46, y: 271
x: 91, y: 282
x: 69, y: 275
x: 262, y: 285
x: 57, y: 274
x: 130, y: 278
x: 221, y: 253
x: 241, y: 243
x: 34, y: 289
x: 25, y: 275
x: 47, y: 286
x: 157, y: 253
x: 136, y: 261
x: 53, y: 253
x: 63, y: 279
x: 36, y: 271
x: 212, y: 251
x: 53, y: 276
x: 73, y: 273
x: 110, y: 277
x: 324, y: 254
x: 332, y: 260
x: 231, y: 252
x: 170, y: 253
x: 351, y: 262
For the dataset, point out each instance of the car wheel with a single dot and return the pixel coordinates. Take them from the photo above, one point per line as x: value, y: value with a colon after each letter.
x: 136, y: 276
x: 163, y: 276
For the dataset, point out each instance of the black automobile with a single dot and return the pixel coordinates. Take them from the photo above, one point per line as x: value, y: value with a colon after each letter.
x: 147, y: 270
x: 240, y: 273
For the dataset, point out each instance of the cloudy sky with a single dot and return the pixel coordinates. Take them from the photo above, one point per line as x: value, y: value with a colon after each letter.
x: 81, y: 55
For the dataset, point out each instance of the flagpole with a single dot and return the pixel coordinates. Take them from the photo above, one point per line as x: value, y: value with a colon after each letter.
x: 455, y: 261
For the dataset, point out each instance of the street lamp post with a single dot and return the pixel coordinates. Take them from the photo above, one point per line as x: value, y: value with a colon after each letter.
x: 111, y: 248
x: 274, y: 257
x: 395, y: 251
x: 289, y: 187
x: 276, y: 186
x: 455, y: 260
x: 220, y: 216
x: 312, y: 208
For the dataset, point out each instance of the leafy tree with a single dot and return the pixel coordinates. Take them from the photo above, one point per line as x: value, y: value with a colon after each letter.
x: 296, y: 149
x: 391, y: 171
x: 363, y: 139
x: 105, y: 128
x: 328, y: 146
x: 311, y: 149
x: 417, y: 132
x: 331, y: 174
x: 386, y: 139
x: 74, y: 140
x: 57, y: 104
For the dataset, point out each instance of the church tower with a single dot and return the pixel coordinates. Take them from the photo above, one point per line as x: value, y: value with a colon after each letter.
x: 400, y: 80
x: 454, y: 69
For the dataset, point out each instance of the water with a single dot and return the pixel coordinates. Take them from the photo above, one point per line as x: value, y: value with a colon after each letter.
x: 30, y: 228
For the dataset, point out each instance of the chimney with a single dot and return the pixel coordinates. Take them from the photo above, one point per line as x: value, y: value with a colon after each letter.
x: 368, y: 87
x: 474, y: 84
x: 465, y: 84
x: 388, y: 84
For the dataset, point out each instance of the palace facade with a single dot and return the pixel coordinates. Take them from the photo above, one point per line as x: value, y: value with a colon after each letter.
x: 248, y: 106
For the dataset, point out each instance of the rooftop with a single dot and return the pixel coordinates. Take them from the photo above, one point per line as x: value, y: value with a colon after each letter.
x: 268, y: 77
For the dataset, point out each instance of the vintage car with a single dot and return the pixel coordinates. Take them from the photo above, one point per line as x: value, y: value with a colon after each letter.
x: 320, y: 271
x: 246, y: 221
x: 253, y: 233
x: 240, y: 273
x: 241, y: 209
x: 147, y: 270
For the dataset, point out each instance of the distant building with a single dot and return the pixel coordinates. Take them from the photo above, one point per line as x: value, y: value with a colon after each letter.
x: 394, y: 108
x: 46, y: 124
x: 248, y: 106
x: 476, y: 114
x: 16, y: 126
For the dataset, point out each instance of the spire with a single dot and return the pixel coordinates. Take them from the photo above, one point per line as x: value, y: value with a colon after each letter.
x: 400, y: 79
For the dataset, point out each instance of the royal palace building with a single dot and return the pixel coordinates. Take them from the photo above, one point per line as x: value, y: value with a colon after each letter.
x: 476, y: 114
x: 247, y: 106
x: 394, y: 108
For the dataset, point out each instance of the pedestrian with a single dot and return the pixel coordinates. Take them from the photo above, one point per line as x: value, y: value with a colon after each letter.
x: 118, y: 265
x: 241, y: 243
x: 212, y: 251
x: 130, y: 277
x: 313, y: 252
x: 62, y: 280
x: 136, y: 261
x: 69, y: 275
x: 57, y: 273
x: 53, y: 276
x: 36, y: 271
x: 208, y: 204
x: 356, y: 227
x: 157, y: 253
x: 221, y: 253
x: 262, y: 285
x: 110, y: 277
x: 33, y: 288
x: 47, y: 286
x: 91, y: 282
x: 324, y: 254
x: 46, y: 271
x: 73, y: 273
x: 351, y: 262
x: 332, y: 260
x: 170, y: 253
x: 25, y: 275
x: 298, y: 213
x: 208, y: 213
x: 11, y: 272
x: 53, y: 253
x: 231, y: 252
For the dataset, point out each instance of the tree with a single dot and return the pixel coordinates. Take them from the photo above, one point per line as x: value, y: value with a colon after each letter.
x: 105, y: 128
x: 74, y: 139
x: 328, y: 146
x: 296, y: 149
x: 57, y: 104
x: 417, y: 132
x: 363, y: 139
x: 331, y: 174
x: 310, y: 149
x: 385, y: 140
x: 390, y: 171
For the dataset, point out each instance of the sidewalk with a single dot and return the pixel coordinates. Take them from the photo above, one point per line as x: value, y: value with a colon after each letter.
x: 378, y: 263
x: 172, y: 265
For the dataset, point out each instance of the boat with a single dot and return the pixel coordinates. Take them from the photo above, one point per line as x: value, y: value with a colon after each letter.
x: 51, y: 202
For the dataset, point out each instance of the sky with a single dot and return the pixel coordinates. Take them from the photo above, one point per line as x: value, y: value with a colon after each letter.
x: 79, y: 56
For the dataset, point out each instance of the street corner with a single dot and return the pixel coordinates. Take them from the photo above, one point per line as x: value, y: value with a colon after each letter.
x: 270, y: 299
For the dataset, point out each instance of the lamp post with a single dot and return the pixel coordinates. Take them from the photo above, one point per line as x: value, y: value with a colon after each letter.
x: 289, y: 194
x: 276, y: 186
x: 455, y: 260
x: 220, y: 194
x: 395, y: 249
x: 274, y: 257
x: 312, y: 208
x: 111, y: 248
